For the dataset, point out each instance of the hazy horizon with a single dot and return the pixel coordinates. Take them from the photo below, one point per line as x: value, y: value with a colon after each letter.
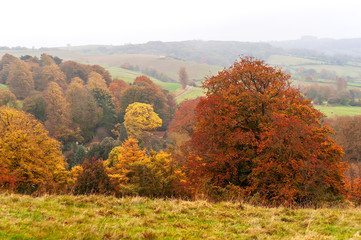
x: 43, y: 23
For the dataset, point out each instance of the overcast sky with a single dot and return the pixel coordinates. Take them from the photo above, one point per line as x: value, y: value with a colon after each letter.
x: 45, y: 23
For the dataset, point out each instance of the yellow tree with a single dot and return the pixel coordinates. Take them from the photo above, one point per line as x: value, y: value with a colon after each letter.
x: 120, y: 162
x: 27, y: 151
x: 139, y: 118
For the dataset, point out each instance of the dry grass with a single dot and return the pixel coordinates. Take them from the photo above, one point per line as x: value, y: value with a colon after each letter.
x: 99, y: 217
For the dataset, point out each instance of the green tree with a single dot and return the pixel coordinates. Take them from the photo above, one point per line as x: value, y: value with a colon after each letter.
x: 105, y: 102
x: 36, y: 105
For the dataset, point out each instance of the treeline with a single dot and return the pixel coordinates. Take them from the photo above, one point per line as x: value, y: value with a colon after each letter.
x: 257, y: 140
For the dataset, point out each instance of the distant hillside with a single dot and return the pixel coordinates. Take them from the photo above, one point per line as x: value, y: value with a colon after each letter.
x: 328, y: 46
x: 221, y: 53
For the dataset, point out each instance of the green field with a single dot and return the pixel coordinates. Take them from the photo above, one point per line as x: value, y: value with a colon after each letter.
x: 192, y: 94
x: 99, y: 217
x: 129, y: 76
x: 3, y: 87
x: 332, y: 111
x: 283, y: 60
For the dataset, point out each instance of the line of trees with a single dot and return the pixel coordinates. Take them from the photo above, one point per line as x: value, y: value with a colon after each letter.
x: 252, y: 136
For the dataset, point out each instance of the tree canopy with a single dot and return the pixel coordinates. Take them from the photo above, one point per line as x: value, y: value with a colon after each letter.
x: 257, y: 132
x: 27, y: 151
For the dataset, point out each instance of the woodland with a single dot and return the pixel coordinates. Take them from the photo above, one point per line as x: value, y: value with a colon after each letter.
x: 71, y: 128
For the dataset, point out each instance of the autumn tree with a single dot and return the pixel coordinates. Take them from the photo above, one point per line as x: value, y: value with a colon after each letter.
x: 145, y: 91
x: 5, y: 63
x: 183, y: 77
x: 95, y: 80
x: 140, y: 117
x: 50, y: 73
x: 116, y: 88
x: 103, y: 72
x: 84, y: 109
x: 134, y: 173
x: 58, y: 121
x: 20, y: 79
x: 185, y: 118
x: 27, y: 151
x: 119, y: 166
x: 93, y: 178
x: 35, y: 105
x: 73, y: 69
x: 7, y: 98
x: 46, y: 60
x: 257, y: 132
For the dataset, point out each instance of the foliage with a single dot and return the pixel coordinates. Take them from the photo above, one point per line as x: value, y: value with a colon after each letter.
x: 6, y: 61
x: 255, y: 131
x: 28, y: 153
x: 348, y: 135
x: 132, y: 172
x: 102, y: 149
x: 73, y: 69
x: 80, y: 155
x: 116, y: 88
x: 20, y: 80
x: 105, y: 102
x: 36, y: 105
x: 185, y: 118
x: 7, y: 98
x: 140, y: 117
x: 50, y: 73
x: 84, y: 109
x: 93, y: 179
x: 58, y: 121
x: 95, y: 80
x: 145, y: 91
x: 103, y: 72
x: 183, y: 77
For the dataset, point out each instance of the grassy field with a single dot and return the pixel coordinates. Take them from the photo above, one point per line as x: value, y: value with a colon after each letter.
x: 129, y: 76
x: 192, y: 94
x: 3, y: 87
x: 167, y: 65
x: 332, y: 111
x: 99, y: 217
x: 283, y: 60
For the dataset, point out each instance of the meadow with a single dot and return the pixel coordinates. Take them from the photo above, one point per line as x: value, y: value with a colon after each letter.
x: 333, y: 111
x: 101, y: 217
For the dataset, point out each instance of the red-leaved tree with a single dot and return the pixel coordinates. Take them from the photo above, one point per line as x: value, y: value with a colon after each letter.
x: 256, y: 131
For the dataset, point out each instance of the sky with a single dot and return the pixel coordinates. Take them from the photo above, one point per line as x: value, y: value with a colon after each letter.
x: 45, y: 23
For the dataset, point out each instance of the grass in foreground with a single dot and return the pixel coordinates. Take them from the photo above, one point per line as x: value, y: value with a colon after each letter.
x: 99, y: 217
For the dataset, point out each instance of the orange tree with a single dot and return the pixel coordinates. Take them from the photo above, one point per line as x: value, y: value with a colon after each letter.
x: 255, y: 131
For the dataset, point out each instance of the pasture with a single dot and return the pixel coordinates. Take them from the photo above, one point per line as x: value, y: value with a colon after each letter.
x: 100, y: 217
